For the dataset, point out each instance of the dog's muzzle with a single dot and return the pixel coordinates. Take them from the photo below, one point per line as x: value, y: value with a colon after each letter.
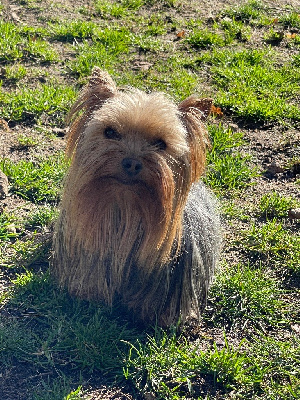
x: 131, y: 166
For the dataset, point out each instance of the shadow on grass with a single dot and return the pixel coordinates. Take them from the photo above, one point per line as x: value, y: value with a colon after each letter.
x: 52, y: 343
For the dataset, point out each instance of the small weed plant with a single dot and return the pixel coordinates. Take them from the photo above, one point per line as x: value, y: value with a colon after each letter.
x: 273, y: 205
x: 273, y: 244
x: 173, y: 368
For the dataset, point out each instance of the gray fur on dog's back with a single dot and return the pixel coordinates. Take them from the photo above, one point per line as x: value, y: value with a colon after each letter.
x: 201, y: 240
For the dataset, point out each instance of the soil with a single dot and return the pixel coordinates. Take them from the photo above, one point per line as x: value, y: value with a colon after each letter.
x: 272, y: 147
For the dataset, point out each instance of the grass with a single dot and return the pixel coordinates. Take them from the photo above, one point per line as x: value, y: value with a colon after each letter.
x: 7, y: 228
x: 178, y: 370
x: 106, y: 9
x: 228, y: 168
x: 246, y: 297
x: 290, y: 20
x: 58, y: 389
x: 273, y: 205
x: 166, y: 366
x: 37, y: 181
x: 282, y: 356
x: 25, y: 141
x: 248, y: 12
x: 67, y: 332
x: 219, y: 35
x: 105, y: 51
x: 15, y: 72
x: 31, y: 104
x: 204, y: 38
x: 70, y: 30
x: 42, y: 217
x: 274, y: 245
x: 23, y: 43
x: 246, y: 345
x: 252, y: 86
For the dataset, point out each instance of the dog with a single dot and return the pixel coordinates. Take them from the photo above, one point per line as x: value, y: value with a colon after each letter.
x: 136, y: 225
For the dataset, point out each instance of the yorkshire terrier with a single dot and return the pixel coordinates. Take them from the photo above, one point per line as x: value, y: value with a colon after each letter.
x: 136, y: 225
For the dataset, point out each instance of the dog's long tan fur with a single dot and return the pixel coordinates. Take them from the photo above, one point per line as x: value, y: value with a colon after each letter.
x: 135, y: 158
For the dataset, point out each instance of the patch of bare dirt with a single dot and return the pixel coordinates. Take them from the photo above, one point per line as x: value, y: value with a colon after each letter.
x: 25, y: 143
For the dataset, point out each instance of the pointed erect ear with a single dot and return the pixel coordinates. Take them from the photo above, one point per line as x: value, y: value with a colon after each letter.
x: 99, y: 88
x: 194, y: 105
x: 194, y: 112
x: 101, y: 82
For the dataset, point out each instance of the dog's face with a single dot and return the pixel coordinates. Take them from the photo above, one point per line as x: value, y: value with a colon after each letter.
x: 134, y: 158
x: 135, y: 141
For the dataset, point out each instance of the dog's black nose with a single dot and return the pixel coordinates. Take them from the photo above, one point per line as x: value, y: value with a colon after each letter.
x: 131, y: 166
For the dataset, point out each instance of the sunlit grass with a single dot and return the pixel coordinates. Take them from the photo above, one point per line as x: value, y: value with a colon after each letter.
x: 38, y: 181
x: 29, y: 104
x: 24, y: 44
x: 246, y: 298
x: 227, y: 168
x: 252, y: 86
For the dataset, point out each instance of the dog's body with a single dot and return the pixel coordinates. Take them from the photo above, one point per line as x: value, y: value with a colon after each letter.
x: 135, y: 223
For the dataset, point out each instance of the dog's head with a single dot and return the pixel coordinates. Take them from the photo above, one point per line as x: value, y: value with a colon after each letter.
x: 136, y: 153
x: 137, y: 125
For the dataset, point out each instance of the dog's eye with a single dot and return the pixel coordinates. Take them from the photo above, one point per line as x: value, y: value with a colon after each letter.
x: 159, y: 144
x: 111, y: 133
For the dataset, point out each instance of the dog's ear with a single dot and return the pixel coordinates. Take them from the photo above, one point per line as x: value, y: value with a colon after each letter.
x: 194, y: 113
x: 99, y: 88
x: 193, y: 105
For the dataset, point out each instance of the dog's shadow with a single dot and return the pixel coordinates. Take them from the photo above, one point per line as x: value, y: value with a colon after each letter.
x: 46, y: 334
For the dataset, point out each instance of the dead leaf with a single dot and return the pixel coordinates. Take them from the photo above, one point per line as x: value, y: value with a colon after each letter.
x: 291, y: 35
x: 180, y: 34
x: 216, y: 111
